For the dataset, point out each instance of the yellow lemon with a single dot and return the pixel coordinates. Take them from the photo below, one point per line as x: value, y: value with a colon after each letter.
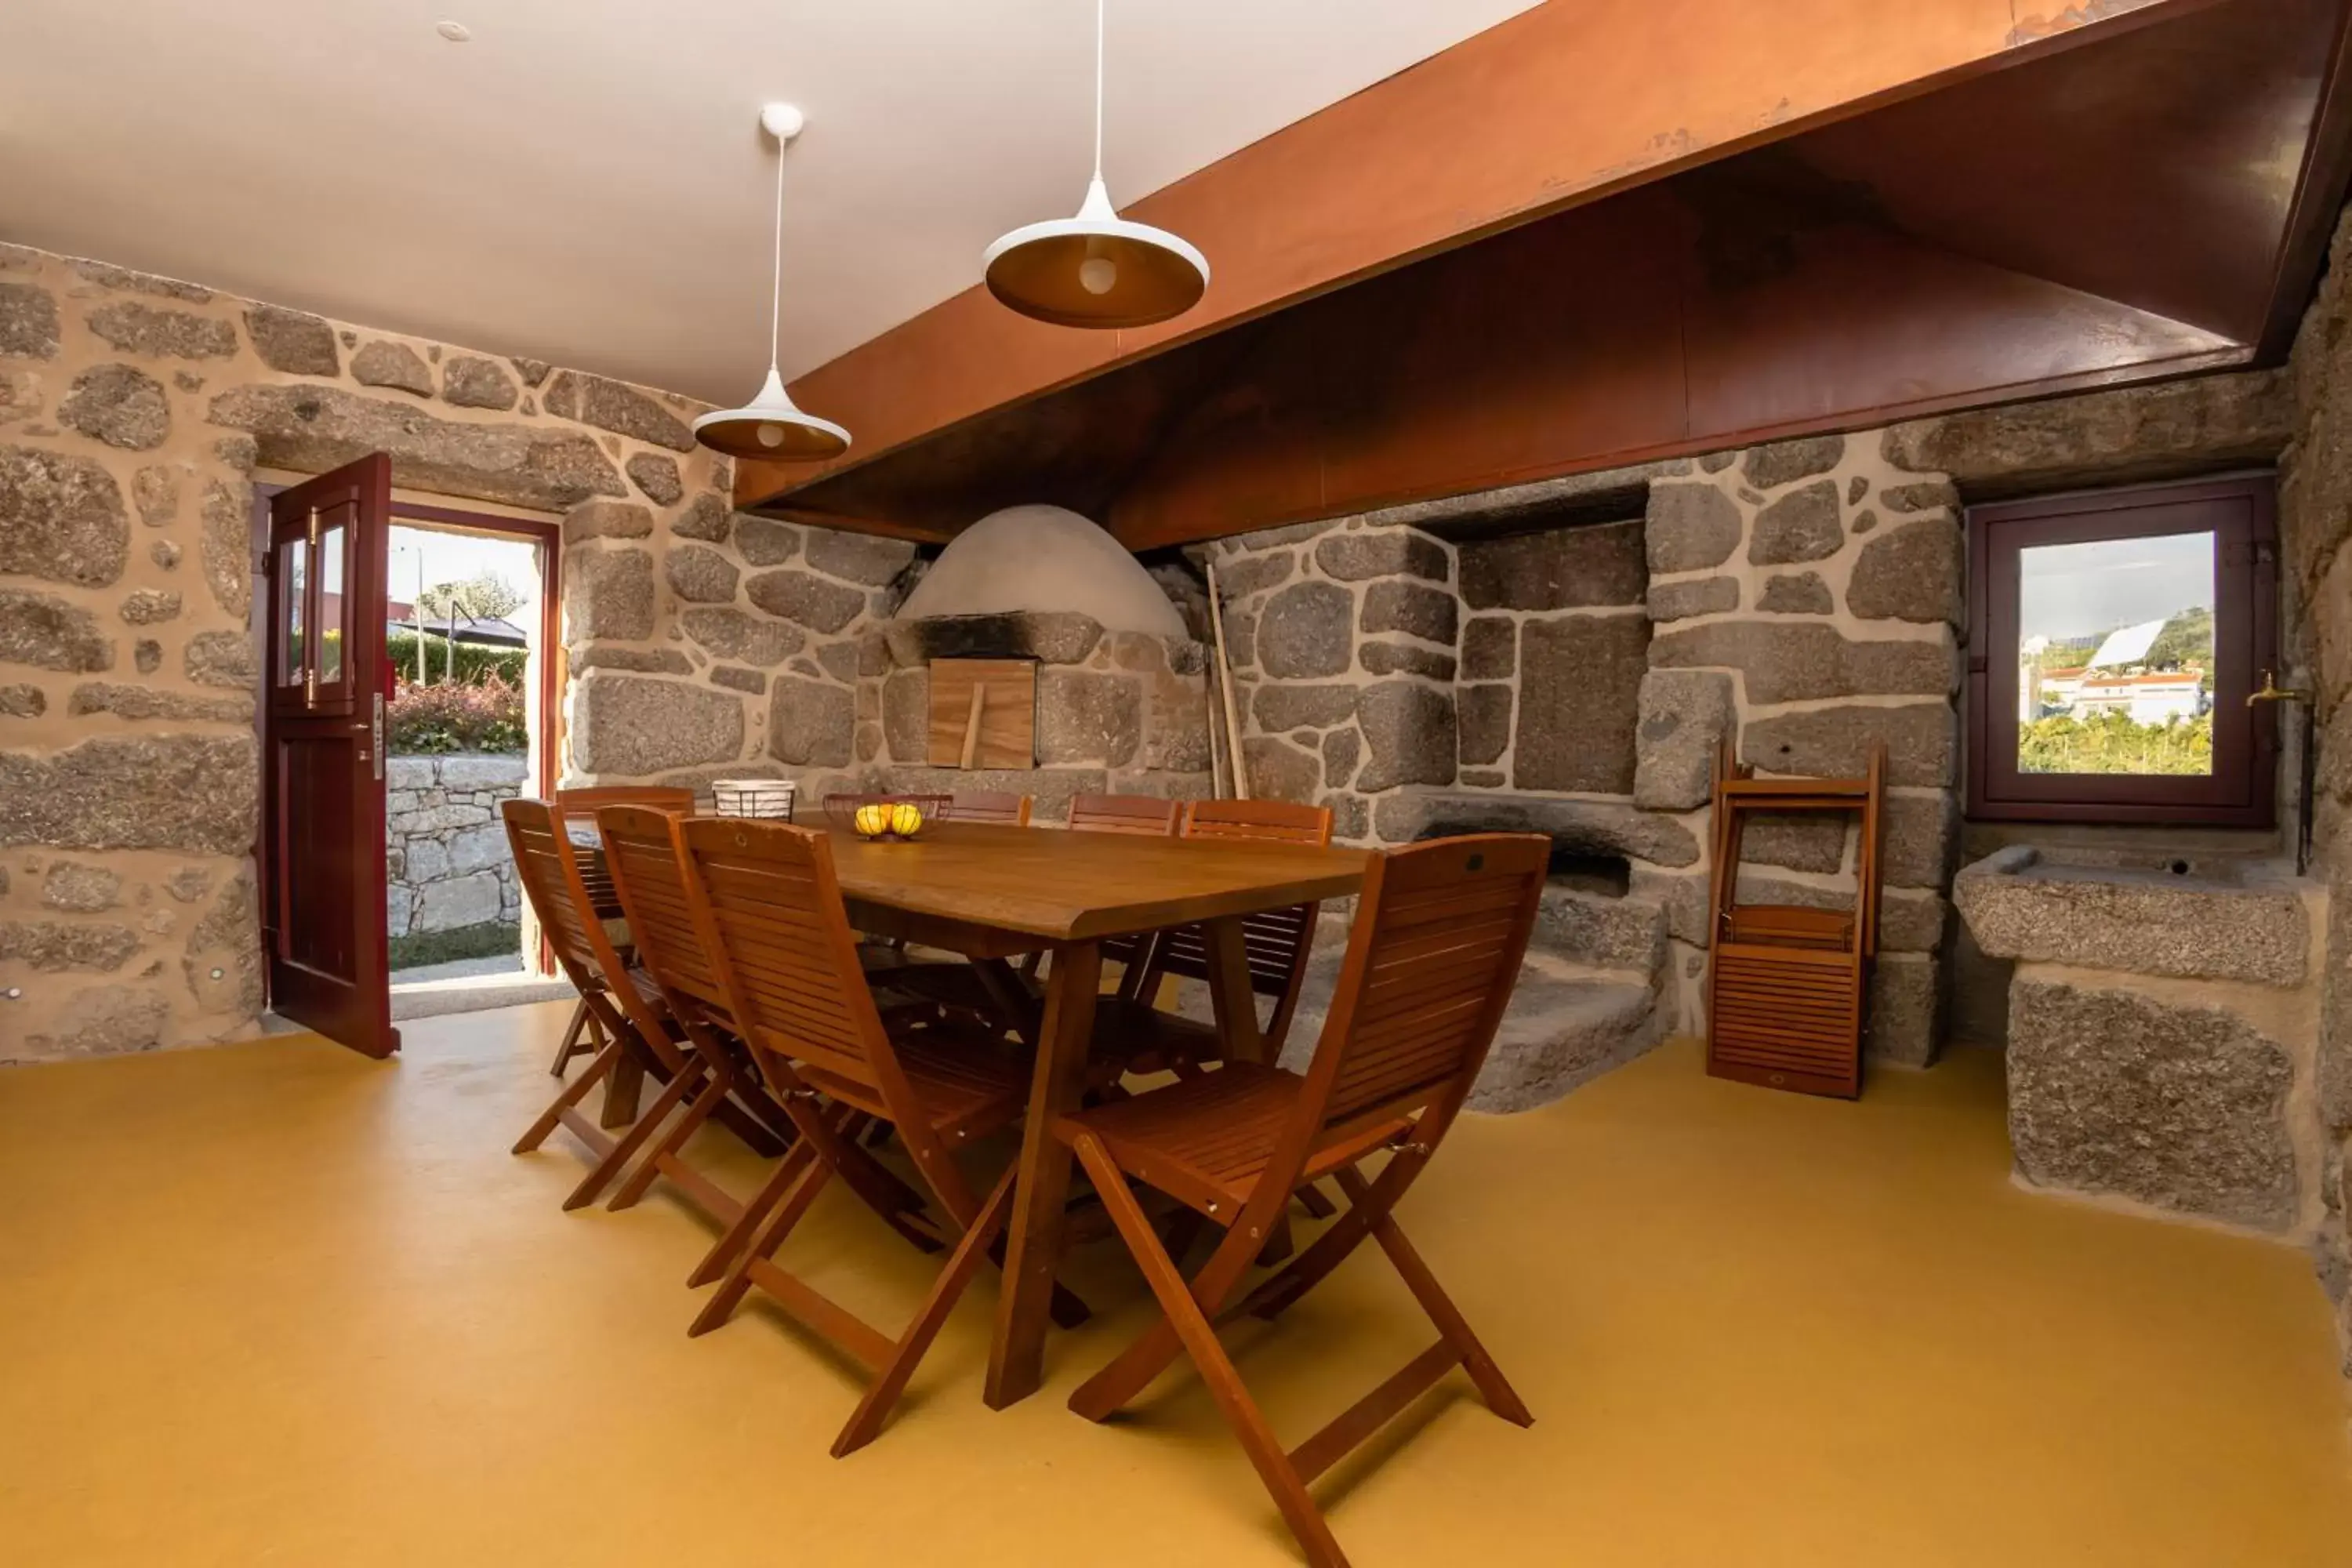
x: 905, y: 818
x: 873, y: 820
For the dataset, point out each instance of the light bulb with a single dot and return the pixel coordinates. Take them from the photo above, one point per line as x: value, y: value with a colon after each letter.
x: 771, y: 434
x: 1096, y: 274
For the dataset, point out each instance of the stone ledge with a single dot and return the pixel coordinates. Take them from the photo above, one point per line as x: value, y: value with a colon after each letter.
x: 1562, y: 1033
x: 1603, y: 827
x: 2020, y: 904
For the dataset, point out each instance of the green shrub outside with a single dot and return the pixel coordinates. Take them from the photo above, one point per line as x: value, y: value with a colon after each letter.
x: 474, y: 659
x: 2112, y: 744
x: 486, y: 716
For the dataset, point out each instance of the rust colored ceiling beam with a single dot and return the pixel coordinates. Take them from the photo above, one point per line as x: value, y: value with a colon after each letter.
x: 2138, y: 208
x: 1559, y: 106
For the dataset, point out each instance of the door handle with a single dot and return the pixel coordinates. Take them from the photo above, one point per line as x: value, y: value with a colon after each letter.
x: 375, y: 738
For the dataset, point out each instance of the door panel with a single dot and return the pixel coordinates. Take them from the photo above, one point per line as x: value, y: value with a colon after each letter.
x: 323, y: 912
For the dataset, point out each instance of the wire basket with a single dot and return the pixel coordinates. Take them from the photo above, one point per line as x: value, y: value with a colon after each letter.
x: 770, y: 798
x: 841, y: 810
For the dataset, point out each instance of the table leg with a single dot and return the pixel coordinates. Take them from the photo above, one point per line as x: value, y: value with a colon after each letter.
x: 1229, y: 988
x: 1016, y: 1360
x: 1011, y: 993
x: 621, y: 1091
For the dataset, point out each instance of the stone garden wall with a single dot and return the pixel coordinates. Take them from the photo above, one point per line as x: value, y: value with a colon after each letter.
x: 134, y: 413
x: 446, y: 857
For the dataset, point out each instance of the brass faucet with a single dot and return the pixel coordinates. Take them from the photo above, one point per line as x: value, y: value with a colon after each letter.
x: 2272, y: 692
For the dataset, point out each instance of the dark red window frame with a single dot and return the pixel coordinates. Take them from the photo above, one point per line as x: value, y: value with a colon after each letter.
x: 2241, y: 512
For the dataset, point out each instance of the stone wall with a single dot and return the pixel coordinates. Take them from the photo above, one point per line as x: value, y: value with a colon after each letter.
x: 134, y: 413
x: 1804, y: 598
x: 447, y: 860
x: 711, y: 645
x: 1565, y: 656
x: 2314, y: 526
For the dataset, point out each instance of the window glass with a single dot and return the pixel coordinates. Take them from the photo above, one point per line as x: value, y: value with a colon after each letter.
x: 293, y: 584
x: 331, y: 604
x: 2115, y: 656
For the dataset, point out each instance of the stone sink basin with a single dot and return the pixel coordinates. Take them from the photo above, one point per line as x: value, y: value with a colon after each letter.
x: 2195, y: 916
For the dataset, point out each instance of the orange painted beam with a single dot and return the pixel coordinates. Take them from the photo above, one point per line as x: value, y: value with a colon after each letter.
x: 1559, y: 106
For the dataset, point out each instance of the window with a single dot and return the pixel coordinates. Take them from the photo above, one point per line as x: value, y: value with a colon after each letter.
x: 2113, y: 637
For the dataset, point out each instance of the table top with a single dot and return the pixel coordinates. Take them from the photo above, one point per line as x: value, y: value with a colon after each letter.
x: 1067, y: 886
x: 1052, y: 883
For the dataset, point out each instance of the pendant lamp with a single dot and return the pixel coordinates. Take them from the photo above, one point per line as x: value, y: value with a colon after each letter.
x: 1096, y: 270
x: 769, y: 425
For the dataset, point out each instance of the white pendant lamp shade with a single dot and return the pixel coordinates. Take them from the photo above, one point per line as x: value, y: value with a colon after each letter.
x: 769, y: 425
x: 1096, y: 269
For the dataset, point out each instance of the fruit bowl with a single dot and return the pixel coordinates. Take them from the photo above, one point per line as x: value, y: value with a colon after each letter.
x: 885, y: 818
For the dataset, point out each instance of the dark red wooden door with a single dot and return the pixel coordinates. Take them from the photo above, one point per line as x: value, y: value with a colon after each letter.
x: 323, y: 900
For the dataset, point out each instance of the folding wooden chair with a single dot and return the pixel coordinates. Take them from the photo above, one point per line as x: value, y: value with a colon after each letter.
x: 999, y: 806
x: 583, y: 1026
x: 630, y: 1020
x: 1440, y: 932
x: 1276, y: 943
x: 765, y: 904
x: 1140, y: 814
x: 643, y: 852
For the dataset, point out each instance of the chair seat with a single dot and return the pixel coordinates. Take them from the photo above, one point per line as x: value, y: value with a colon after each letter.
x: 1205, y: 1141
x: 967, y: 1081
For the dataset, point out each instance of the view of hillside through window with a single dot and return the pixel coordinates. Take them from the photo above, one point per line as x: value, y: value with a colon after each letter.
x: 2115, y: 656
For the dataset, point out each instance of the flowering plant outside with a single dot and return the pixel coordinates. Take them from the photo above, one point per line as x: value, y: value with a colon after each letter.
x: 484, y: 716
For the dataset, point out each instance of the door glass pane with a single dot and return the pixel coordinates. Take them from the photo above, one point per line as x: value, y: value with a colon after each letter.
x: 2115, y: 656
x: 293, y: 581
x: 332, y: 620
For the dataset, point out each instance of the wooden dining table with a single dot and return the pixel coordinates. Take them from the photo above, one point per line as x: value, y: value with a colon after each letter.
x: 994, y: 894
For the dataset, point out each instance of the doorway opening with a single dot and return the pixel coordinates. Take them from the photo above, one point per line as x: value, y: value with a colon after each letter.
x: 471, y: 641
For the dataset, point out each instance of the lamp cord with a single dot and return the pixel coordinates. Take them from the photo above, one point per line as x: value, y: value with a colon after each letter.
x: 1099, y: 86
x: 776, y: 287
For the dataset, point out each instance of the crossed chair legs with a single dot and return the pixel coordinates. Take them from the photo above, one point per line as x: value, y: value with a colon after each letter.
x: 607, y: 1153
x: 1193, y: 1311
x: 705, y: 1070
x: 745, y: 1257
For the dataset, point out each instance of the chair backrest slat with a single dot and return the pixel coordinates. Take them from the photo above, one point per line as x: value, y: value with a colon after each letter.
x: 776, y: 907
x: 1440, y: 932
x: 652, y: 884
x: 548, y: 869
x: 990, y: 805
x: 555, y: 880
x: 587, y: 800
x: 1276, y: 940
x: 590, y: 799
x: 1268, y: 821
x: 1144, y: 815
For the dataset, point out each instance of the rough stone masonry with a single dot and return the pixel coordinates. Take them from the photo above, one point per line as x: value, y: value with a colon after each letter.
x: 135, y: 412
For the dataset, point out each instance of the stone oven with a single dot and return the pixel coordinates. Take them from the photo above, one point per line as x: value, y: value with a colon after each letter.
x: 1122, y: 684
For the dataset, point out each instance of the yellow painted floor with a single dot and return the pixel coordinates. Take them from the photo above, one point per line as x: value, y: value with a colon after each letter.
x: 274, y: 1304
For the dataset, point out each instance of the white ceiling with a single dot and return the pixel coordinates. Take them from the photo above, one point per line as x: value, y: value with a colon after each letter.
x: 585, y: 181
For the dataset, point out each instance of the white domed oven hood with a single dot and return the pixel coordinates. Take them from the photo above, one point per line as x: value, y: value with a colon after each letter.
x: 1043, y: 560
